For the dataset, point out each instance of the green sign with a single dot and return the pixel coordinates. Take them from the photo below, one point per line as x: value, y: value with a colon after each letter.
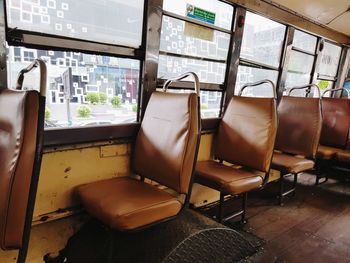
x: 200, y: 14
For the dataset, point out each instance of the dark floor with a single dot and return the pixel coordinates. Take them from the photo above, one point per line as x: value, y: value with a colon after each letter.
x: 312, y: 227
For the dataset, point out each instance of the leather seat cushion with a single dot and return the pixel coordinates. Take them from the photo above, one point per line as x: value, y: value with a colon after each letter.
x: 326, y: 152
x: 344, y: 156
x: 291, y: 164
x: 225, y: 178
x: 126, y: 204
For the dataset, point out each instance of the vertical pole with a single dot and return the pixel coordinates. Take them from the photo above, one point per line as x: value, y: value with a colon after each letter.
x: 284, y: 62
x: 152, y: 44
x: 3, y: 68
x: 235, y: 50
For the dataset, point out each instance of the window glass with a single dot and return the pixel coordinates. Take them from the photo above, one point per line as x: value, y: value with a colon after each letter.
x: 262, y: 40
x: 329, y: 60
x: 175, y: 38
x: 223, y: 12
x: 299, y: 70
x: 304, y: 41
x: 250, y: 75
x: 101, y: 90
x: 111, y: 21
x: 297, y: 79
x: 210, y: 102
x: 300, y: 62
x: 207, y: 71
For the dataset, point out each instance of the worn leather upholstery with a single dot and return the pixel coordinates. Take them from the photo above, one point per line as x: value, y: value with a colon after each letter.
x: 287, y: 163
x: 299, y: 130
x: 246, y: 137
x: 299, y: 127
x: 165, y: 151
x: 125, y: 203
x: 336, y: 122
x: 18, y: 133
x: 326, y: 153
x: 344, y: 156
x: 227, y: 179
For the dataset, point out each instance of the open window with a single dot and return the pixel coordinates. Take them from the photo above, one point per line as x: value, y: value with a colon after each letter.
x: 92, y: 51
x: 261, y: 51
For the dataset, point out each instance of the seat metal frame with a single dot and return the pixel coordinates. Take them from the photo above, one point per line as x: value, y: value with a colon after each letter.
x: 292, y: 191
x: 23, y: 251
x: 322, y: 165
x: 244, y: 196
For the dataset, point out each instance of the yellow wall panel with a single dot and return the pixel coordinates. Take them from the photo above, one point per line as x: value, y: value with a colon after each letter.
x: 62, y: 171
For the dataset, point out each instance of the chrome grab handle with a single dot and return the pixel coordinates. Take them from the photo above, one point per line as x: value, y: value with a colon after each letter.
x: 181, y: 77
x: 43, y: 74
x: 265, y: 81
x: 305, y: 87
x: 331, y: 90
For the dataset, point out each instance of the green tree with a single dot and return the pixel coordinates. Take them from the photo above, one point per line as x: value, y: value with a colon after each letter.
x: 204, y: 106
x: 102, y: 98
x: 323, y: 84
x: 116, y: 102
x: 134, y: 108
x: 47, y: 114
x: 93, y: 97
x: 84, y: 111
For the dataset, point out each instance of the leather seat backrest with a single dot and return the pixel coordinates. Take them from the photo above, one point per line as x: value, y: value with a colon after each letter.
x: 336, y: 122
x: 18, y: 134
x: 247, y: 132
x: 299, y: 129
x: 166, y: 143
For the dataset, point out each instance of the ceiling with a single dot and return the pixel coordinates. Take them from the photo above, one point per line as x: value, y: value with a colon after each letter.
x: 334, y: 14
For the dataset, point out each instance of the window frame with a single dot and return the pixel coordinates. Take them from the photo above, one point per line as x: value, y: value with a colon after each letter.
x: 211, y: 87
x: 44, y: 41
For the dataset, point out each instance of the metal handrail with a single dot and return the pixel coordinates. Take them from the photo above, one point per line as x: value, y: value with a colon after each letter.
x: 181, y: 77
x: 265, y: 81
x: 43, y: 74
x: 331, y: 90
x: 306, y: 87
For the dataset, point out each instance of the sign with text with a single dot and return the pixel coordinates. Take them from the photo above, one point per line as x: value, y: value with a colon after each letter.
x: 200, y: 14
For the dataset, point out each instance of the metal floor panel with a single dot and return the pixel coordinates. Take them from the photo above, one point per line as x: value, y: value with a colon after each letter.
x: 191, y: 237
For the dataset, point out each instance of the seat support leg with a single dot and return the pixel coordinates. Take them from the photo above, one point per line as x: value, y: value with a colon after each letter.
x: 319, y: 175
x: 244, y: 207
x: 283, y: 193
x: 242, y: 213
x: 221, y: 207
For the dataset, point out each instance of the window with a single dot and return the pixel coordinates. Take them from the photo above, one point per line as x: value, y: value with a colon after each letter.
x: 101, y: 89
x: 301, y: 61
x: 328, y: 68
x: 261, y: 52
x: 210, y: 102
x: 330, y: 57
x: 262, y: 40
x: 111, y: 21
x: 196, y: 37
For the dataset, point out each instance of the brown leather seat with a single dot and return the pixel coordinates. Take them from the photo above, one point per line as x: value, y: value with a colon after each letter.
x: 18, y: 141
x: 291, y: 164
x: 246, y: 137
x: 142, y: 204
x: 298, y: 132
x: 335, y: 127
x: 326, y: 152
x: 165, y: 152
x: 297, y: 139
x: 344, y: 156
x: 227, y: 179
